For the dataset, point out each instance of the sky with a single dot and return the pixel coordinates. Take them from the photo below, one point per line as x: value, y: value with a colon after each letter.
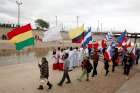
x: 114, y: 15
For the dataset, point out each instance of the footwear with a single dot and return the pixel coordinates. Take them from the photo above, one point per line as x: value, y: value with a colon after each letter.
x: 87, y: 79
x: 59, y: 84
x: 106, y: 73
x: 68, y: 82
x: 113, y: 70
x: 92, y: 75
x: 50, y: 85
x: 40, y: 87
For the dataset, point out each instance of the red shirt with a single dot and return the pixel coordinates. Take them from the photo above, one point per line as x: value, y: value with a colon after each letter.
x: 106, y: 56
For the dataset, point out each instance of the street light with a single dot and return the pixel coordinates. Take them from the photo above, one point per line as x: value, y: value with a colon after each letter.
x: 18, y: 4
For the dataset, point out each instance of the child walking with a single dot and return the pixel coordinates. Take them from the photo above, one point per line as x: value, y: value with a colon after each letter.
x: 44, y: 74
x: 86, y: 69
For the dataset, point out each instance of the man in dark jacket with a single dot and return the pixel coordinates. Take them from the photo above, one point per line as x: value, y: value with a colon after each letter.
x: 44, y: 74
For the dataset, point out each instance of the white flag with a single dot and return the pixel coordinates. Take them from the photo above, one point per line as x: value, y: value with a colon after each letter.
x: 53, y: 34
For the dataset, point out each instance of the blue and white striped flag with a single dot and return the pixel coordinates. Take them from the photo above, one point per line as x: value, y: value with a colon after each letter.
x: 108, y: 36
x: 87, y: 38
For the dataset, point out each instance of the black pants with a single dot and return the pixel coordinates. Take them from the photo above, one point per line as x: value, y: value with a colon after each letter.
x: 127, y: 69
x: 95, y: 64
x: 137, y: 59
x: 114, y: 65
x: 106, y: 67
x: 65, y: 75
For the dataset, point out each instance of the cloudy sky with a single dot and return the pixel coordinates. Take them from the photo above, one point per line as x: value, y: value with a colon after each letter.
x: 113, y: 14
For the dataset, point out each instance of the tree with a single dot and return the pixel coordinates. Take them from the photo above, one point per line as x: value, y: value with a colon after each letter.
x: 41, y: 24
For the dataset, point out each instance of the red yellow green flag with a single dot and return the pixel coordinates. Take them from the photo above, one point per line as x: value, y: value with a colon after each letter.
x: 21, y: 36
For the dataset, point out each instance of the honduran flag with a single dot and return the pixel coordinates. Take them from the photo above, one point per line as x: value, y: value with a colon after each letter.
x: 122, y: 38
x: 87, y: 38
x: 21, y: 36
x: 108, y: 36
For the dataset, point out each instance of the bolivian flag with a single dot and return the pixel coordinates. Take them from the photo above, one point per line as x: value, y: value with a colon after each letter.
x: 76, y: 34
x: 21, y: 36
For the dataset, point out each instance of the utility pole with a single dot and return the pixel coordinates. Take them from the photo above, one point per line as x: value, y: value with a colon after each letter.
x: 77, y: 18
x: 56, y: 20
x: 101, y: 26
x: 18, y: 4
x: 98, y: 28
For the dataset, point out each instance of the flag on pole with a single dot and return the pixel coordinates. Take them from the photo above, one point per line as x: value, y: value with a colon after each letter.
x: 76, y: 32
x: 122, y: 38
x: 53, y: 34
x: 108, y: 36
x: 21, y: 36
x: 128, y: 43
x: 87, y: 38
x: 78, y: 39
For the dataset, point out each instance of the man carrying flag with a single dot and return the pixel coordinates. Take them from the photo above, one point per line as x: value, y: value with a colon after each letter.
x: 87, y: 39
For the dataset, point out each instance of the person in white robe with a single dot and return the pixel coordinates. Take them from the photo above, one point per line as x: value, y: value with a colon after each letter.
x: 71, y: 59
x: 80, y: 56
x: 75, y: 54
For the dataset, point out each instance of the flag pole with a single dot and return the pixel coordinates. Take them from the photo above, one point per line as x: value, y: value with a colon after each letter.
x: 35, y: 53
x: 18, y: 56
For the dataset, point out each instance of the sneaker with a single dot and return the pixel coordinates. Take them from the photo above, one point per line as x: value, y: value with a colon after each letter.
x: 87, y: 79
x: 68, y: 82
x: 59, y: 84
x: 50, y: 86
x: 40, y: 87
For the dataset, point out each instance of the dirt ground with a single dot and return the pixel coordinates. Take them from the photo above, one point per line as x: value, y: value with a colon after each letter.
x: 24, y: 78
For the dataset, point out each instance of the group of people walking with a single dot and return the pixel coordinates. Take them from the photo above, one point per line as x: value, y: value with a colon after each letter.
x: 70, y: 58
